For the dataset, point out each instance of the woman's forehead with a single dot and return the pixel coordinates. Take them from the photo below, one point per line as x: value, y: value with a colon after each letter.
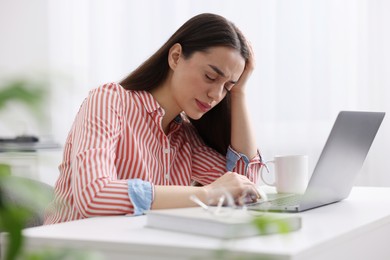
x: 223, y: 60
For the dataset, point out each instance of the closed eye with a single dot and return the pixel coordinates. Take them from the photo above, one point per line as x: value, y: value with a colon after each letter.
x: 209, y: 77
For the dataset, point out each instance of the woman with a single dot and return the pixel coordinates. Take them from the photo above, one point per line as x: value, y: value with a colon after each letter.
x: 177, y: 119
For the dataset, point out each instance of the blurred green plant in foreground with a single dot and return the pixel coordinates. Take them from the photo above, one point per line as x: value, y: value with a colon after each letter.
x: 31, y: 94
x: 18, y: 209
x: 22, y: 199
x: 14, y: 216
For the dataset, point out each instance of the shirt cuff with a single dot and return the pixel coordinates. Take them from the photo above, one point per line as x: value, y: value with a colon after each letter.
x: 232, y: 157
x: 141, y: 195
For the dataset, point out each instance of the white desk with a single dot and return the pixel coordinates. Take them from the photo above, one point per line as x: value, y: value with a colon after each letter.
x: 356, y: 228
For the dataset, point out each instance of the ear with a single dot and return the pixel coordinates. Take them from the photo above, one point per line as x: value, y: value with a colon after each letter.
x: 174, y: 55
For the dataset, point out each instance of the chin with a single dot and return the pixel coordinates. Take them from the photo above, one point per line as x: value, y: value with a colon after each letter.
x: 195, y: 116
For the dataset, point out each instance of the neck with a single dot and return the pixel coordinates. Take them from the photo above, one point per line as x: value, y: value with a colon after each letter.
x: 163, y: 96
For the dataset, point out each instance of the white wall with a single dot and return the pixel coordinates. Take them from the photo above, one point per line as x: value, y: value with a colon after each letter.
x: 314, y: 58
x: 23, y: 54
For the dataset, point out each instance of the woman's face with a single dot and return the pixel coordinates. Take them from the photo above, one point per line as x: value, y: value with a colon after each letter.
x: 200, y: 82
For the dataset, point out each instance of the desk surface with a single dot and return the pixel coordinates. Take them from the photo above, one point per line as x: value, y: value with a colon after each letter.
x: 357, y: 227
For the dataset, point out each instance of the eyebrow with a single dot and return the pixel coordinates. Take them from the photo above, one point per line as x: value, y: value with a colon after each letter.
x: 220, y: 72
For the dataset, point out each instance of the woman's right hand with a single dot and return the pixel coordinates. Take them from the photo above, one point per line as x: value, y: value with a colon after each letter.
x: 239, y: 187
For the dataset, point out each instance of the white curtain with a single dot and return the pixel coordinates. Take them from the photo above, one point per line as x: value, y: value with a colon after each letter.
x: 314, y: 58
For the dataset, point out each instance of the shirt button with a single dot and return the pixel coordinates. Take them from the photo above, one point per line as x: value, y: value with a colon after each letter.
x: 166, y: 150
x: 166, y: 176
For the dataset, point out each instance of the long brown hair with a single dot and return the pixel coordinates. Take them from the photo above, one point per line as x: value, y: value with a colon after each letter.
x: 198, y: 34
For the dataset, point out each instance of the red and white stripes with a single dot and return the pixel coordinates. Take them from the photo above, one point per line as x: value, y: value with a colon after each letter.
x: 117, y: 136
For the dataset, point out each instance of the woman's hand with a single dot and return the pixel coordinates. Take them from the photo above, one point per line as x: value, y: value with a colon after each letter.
x: 239, y: 87
x: 232, y: 184
x: 242, y: 133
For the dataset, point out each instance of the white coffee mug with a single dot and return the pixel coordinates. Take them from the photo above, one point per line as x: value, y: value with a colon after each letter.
x: 291, y: 173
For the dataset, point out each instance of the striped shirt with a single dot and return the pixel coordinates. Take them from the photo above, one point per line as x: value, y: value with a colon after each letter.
x: 116, y: 136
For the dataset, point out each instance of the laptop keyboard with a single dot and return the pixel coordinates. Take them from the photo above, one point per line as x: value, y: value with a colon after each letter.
x: 291, y: 200
x: 280, y: 200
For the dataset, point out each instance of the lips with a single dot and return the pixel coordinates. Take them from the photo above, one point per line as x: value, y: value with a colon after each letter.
x: 204, y: 107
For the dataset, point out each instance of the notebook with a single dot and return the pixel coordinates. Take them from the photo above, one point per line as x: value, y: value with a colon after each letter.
x: 222, y: 222
x: 339, y: 163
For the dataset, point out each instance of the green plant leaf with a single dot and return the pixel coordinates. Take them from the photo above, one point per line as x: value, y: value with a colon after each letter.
x: 264, y: 223
x: 12, y: 220
x: 27, y: 199
x: 26, y: 92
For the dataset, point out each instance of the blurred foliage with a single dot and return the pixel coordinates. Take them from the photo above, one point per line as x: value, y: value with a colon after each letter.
x: 263, y: 223
x: 29, y: 93
x: 21, y: 200
x: 28, y: 198
x: 62, y: 254
x: 13, y: 217
x: 22, y: 90
x: 12, y: 220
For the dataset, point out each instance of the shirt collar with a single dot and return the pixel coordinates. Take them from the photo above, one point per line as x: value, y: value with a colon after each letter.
x: 152, y: 106
x: 149, y: 102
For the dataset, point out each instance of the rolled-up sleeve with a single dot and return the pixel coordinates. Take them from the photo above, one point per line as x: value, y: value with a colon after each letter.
x: 141, y: 195
x: 208, y: 164
x: 240, y: 163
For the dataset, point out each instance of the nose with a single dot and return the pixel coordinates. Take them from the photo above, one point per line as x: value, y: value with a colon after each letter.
x: 216, y: 93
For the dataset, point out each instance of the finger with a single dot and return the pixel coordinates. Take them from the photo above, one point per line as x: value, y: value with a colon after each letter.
x: 252, y: 193
x: 247, y: 197
x: 262, y: 194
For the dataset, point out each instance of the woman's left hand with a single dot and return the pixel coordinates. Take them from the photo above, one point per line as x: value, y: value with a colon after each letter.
x: 239, y: 87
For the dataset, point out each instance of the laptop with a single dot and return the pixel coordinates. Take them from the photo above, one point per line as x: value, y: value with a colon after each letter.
x: 339, y: 163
